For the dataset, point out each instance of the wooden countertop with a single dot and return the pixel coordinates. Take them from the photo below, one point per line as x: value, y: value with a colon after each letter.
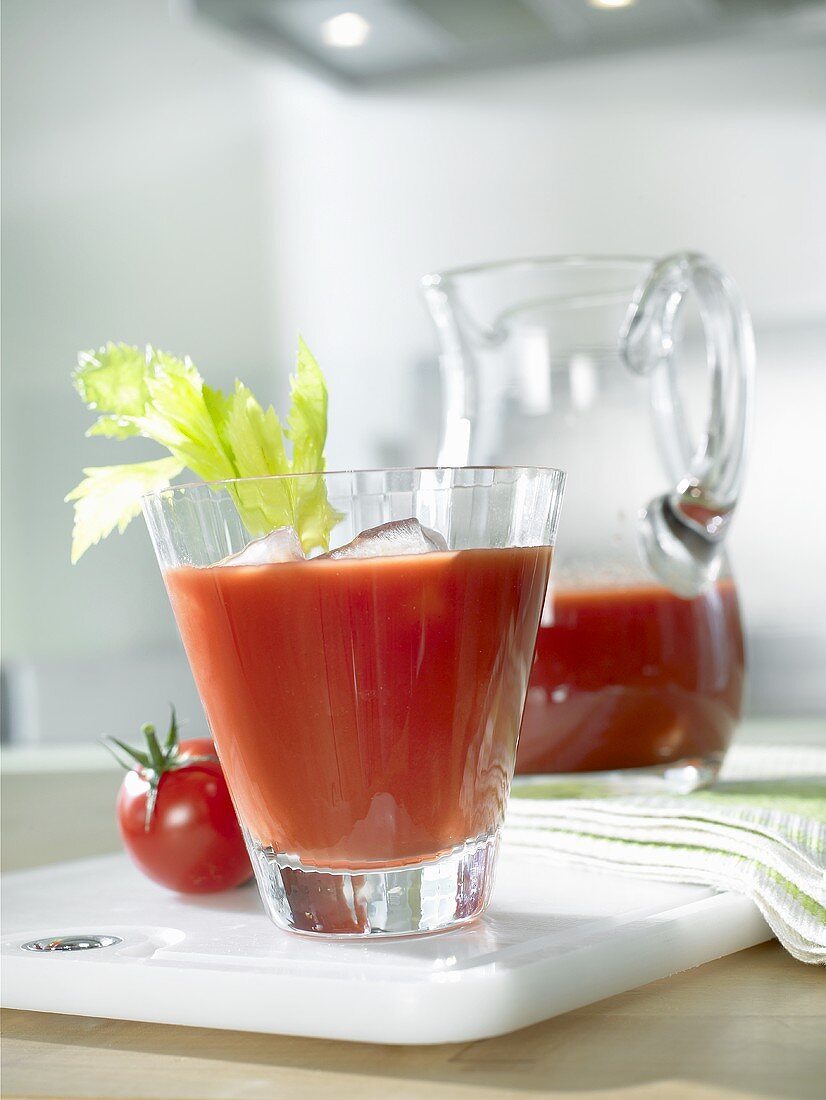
x: 750, y: 1025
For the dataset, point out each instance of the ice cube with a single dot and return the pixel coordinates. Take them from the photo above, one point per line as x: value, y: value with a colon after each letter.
x: 282, y: 544
x: 404, y: 536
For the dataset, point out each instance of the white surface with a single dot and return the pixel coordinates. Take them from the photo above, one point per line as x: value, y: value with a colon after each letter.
x: 554, y: 939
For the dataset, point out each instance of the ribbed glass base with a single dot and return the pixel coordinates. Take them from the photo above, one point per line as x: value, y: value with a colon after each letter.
x: 396, y: 901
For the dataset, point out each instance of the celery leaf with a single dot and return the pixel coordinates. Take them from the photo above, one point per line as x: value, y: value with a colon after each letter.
x: 178, y: 417
x: 110, y: 496
x: 314, y: 518
x: 257, y: 442
x: 156, y: 395
x: 255, y: 436
x: 113, y: 379
x: 308, y: 413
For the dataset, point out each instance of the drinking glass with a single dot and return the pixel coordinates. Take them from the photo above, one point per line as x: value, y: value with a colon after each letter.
x: 366, y: 708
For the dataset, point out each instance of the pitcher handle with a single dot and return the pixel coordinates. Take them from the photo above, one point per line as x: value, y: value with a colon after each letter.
x: 682, y: 532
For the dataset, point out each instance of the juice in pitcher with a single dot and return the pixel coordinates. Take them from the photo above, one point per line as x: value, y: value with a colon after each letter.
x: 632, y: 677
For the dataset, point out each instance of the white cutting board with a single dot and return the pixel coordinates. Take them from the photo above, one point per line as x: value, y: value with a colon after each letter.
x: 554, y: 939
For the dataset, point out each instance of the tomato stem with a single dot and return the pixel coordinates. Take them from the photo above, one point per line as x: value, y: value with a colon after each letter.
x: 156, y: 755
x: 157, y: 761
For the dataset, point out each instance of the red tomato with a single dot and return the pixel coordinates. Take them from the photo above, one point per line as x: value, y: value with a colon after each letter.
x: 190, y: 839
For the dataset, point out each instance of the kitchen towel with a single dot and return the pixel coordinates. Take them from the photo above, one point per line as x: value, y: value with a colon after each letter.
x: 760, y: 831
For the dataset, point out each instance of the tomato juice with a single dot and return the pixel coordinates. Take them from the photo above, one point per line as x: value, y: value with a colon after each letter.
x: 365, y: 711
x: 630, y: 677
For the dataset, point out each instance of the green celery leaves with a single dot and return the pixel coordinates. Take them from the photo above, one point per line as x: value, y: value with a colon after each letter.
x: 110, y: 497
x: 160, y: 397
x: 314, y: 518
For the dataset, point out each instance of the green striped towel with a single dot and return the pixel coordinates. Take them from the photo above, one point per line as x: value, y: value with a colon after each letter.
x: 760, y: 831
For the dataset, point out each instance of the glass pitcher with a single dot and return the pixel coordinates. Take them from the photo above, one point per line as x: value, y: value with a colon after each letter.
x: 581, y: 363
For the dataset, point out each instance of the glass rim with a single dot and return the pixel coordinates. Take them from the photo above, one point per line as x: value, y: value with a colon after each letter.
x: 436, y: 278
x: 156, y: 494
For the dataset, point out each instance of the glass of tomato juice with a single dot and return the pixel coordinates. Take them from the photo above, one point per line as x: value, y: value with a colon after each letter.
x: 366, y: 701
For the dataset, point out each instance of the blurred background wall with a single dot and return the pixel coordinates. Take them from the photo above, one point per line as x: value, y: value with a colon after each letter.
x: 163, y: 182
